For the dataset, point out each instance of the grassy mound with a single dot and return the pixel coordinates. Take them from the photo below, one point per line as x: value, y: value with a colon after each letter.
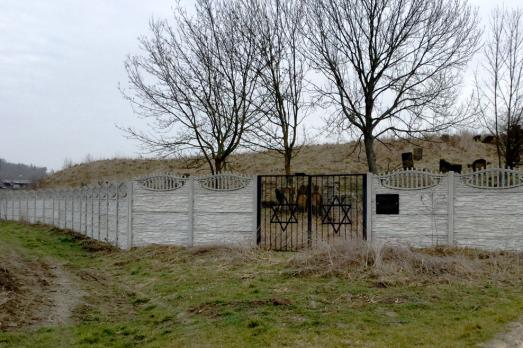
x: 312, y: 159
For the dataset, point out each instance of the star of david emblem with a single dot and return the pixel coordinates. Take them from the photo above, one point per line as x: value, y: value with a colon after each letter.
x: 345, y: 218
x: 277, y: 218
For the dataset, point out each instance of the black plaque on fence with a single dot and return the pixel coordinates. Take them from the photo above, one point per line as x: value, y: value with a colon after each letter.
x: 297, y: 211
x: 388, y: 204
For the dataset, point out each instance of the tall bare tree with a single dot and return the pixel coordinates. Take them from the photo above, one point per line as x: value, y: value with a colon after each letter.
x: 196, y: 81
x: 392, y: 66
x: 278, y: 27
x: 500, y: 84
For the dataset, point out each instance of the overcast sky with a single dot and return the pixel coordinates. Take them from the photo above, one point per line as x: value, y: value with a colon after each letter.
x: 60, y: 65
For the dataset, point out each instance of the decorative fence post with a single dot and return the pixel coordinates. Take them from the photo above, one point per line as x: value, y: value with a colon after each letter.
x: 92, y: 193
x: 73, y: 198
x: 191, y: 212
x: 35, y: 216
x: 43, y: 206
x: 451, y: 183
x: 99, y: 225
x: 19, y: 215
x: 7, y: 196
x: 27, y: 197
x: 2, y: 201
x: 119, y: 186
x: 53, y: 194
x: 83, y: 212
x: 65, y: 195
x: 130, y: 214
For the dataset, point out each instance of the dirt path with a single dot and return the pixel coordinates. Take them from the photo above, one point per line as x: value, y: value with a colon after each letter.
x: 34, y: 292
x: 512, y: 338
x: 64, y: 295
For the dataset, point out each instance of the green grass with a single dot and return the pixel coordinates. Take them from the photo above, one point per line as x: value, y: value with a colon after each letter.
x: 169, y: 297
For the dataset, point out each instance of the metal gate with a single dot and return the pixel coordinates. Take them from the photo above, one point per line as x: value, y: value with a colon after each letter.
x: 300, y: 211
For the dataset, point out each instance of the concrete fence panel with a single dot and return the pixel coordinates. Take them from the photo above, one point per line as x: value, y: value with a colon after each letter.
x: 224, y: 210
x: 482, y: 209
x: 157, y: 209
x: 422, y: 219
x: 160, y: 210
x: 98, y: 212
x: 488, y: 209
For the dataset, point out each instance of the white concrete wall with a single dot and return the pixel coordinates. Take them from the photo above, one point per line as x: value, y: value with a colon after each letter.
x: 485, y: 218
x: 80, y: 211
x: 225, y: 217
x: 140, y: 215
x: 194, y: 215
x: 161, y: 217
x: 422, y: 219
x: 488, y: 218
x: 451, y: 212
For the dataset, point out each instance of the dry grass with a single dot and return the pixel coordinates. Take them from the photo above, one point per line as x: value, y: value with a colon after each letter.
x: 216, y: 255
x: 382, y: 265
x: 388, y: 265
x: 313, y: 159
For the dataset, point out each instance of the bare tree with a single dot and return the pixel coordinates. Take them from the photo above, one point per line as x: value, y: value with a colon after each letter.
x: 392, y: 66
x: 278, y: 28
x: 500, y: 84
x: 196, y: 82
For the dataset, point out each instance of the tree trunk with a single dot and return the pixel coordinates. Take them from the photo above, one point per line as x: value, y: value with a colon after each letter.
x: 218, y: 165
x: 498, y: 146
x: 287, y: 158
x: 368, y: 140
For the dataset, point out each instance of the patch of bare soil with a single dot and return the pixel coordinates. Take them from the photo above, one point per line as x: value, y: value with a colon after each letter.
x: 34, y: 293
x: 64, y: 295
x: 512, y: 338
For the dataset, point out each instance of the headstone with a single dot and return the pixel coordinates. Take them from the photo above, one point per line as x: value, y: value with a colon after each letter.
x: 456, y: 168
x: 407, y: 161
x: 445, y: 167
x: 417, y: 153
x: 489, y: 139
x: 479, y: 164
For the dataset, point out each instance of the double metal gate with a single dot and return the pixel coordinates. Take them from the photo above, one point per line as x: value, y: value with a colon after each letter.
x: 298, y: 211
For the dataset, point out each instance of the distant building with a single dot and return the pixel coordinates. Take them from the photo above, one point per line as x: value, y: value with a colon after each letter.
x: 17, y: 184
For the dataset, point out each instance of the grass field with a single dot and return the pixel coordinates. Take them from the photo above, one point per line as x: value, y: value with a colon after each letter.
x: 170, y: 297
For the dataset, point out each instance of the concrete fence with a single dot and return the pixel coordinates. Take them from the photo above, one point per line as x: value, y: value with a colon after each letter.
x: 482, y: 209
x: 158, y: 209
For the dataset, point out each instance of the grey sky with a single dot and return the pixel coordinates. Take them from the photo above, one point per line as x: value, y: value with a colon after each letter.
x: 60, y: 65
